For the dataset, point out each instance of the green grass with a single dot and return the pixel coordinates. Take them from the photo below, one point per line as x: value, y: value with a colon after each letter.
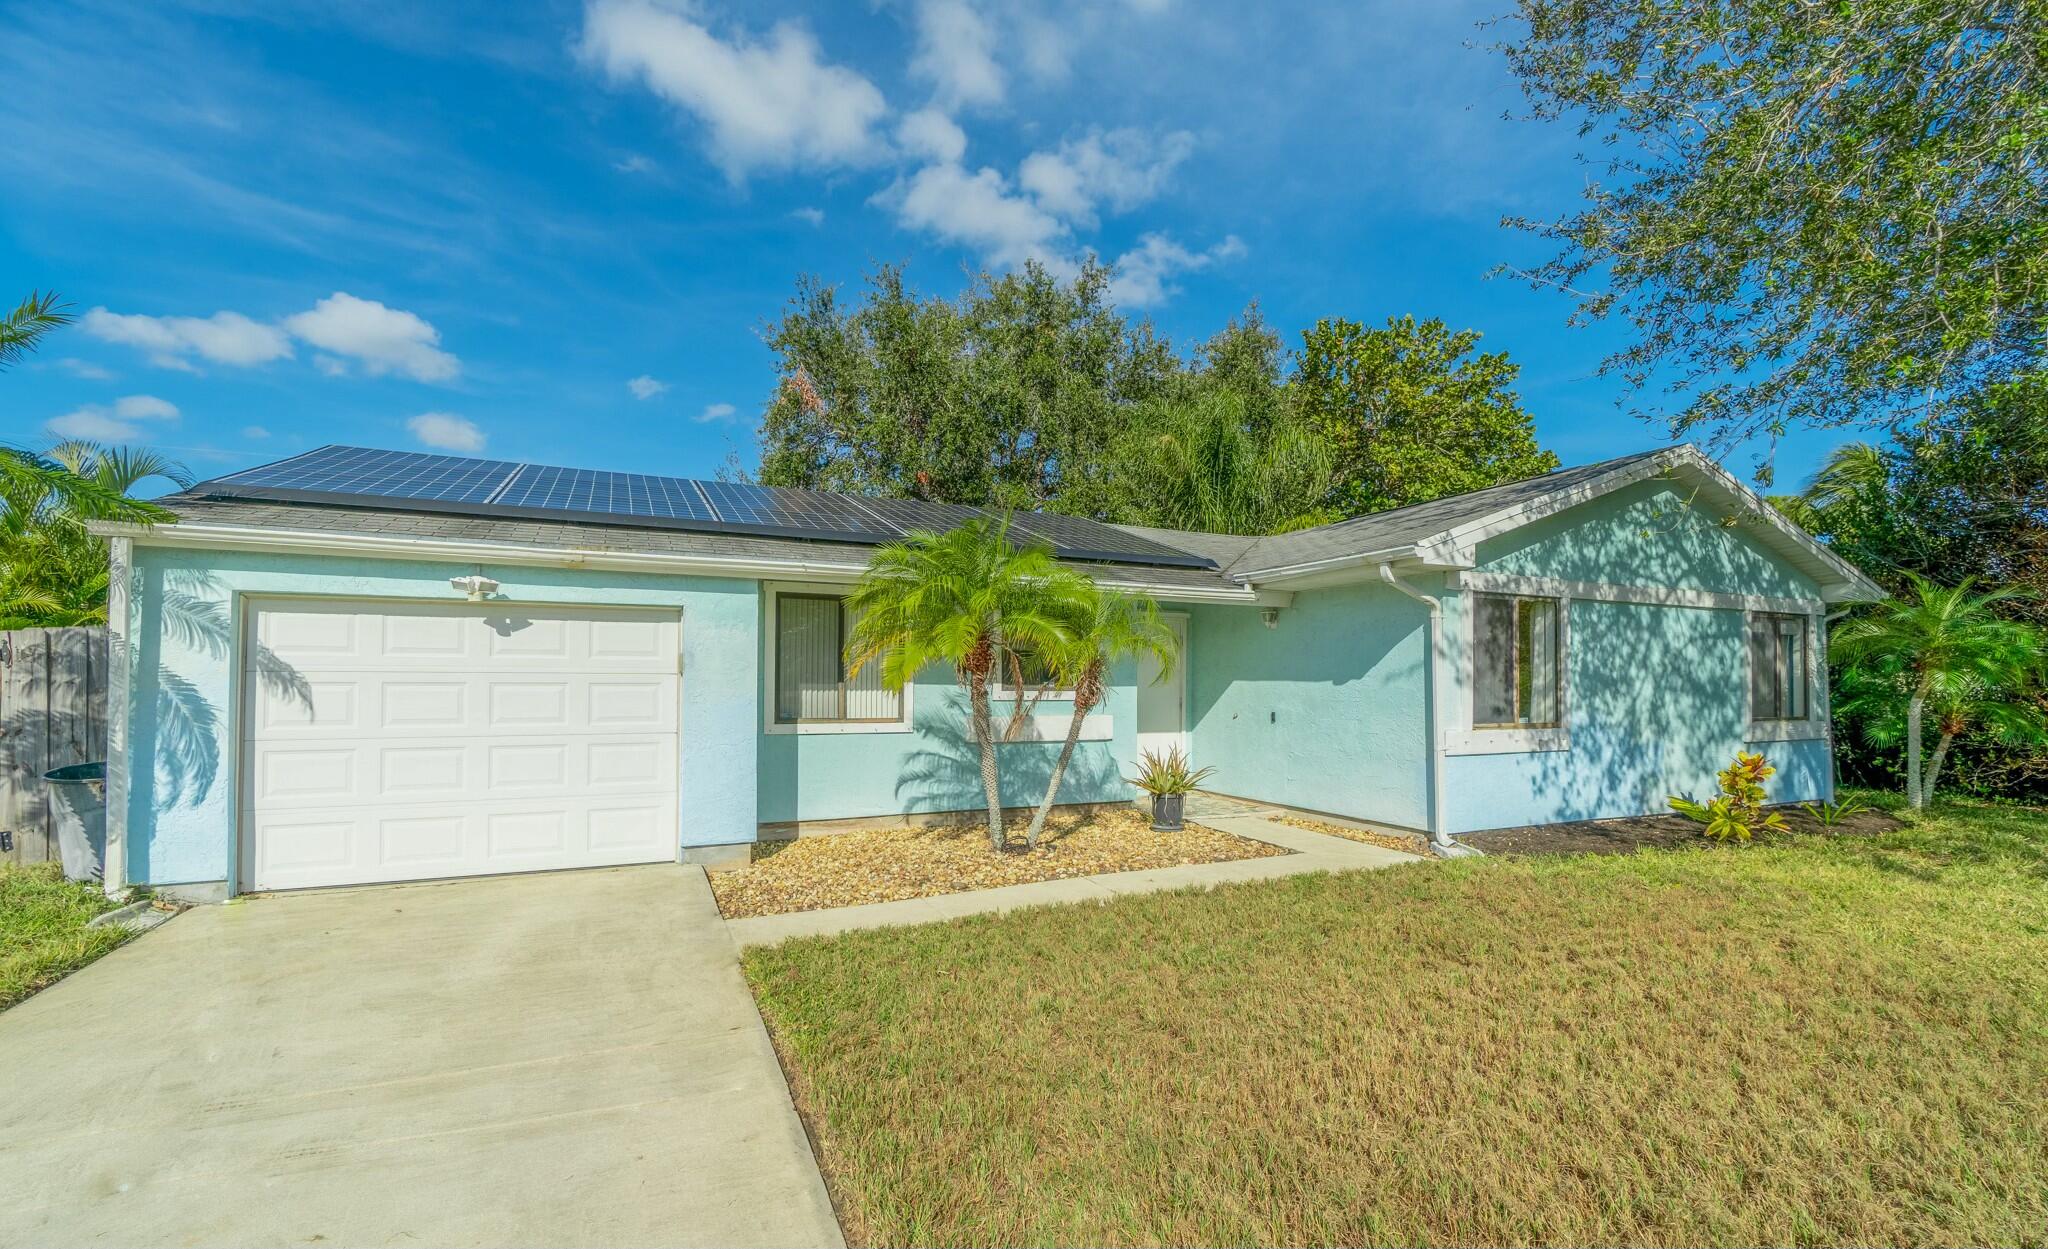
x: 1836, y: 1040
x: 43, y: 936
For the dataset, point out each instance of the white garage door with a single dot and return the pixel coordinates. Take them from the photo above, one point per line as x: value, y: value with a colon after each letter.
x: 403, y: 742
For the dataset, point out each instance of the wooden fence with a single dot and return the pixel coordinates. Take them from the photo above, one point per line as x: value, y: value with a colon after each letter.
x: 53, y: 712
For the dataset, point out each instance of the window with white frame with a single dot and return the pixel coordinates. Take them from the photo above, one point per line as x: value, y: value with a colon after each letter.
x: 1778, y: 678
x: 1517, y: 668
x: 1037, y: 675
x: 811, y: 682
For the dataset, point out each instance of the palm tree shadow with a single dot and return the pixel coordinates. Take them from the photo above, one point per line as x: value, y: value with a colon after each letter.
x: 181, y: 737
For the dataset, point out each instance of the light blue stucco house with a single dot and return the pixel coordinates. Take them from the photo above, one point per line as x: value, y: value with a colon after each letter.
x: 363, y: 666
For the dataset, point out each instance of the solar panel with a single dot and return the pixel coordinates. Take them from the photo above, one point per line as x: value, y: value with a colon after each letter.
x: 386, y: 474
x: 357, y: 476
x: 806, y: 511
x: 540, y: 488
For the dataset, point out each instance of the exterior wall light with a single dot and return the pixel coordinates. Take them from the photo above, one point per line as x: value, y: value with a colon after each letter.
x: 1271, y: 615
x: 478, y: 587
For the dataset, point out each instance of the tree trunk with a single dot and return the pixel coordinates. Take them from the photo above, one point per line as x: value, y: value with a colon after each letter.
x: 1082, y: 704
x: 1934, y: 767
x: 985, y: 739
x: 1914, y: 797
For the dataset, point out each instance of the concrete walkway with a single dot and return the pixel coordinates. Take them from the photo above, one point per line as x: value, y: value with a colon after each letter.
x: 560, y: 1059
x: 1313, y: 852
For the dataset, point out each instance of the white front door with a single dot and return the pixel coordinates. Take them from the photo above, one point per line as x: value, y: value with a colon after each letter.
x: 405, y: 741
x: 1162, y: 705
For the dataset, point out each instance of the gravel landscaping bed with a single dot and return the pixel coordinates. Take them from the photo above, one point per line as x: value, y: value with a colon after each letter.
x: 1389, y: 841
x: 892, y: 864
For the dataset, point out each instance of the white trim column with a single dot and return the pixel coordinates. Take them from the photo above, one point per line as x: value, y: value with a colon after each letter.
x: 120, y: 558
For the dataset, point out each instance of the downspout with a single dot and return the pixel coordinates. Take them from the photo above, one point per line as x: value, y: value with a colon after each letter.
x: 1438, y: 838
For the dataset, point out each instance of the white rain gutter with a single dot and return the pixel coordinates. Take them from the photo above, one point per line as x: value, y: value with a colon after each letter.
x: 238, y: 537
x: 1437, y: 836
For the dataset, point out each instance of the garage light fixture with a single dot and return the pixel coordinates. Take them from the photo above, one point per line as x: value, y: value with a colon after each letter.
x: 478, y: 588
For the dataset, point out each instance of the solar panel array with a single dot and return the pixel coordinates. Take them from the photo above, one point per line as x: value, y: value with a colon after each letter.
x: 360, y: 477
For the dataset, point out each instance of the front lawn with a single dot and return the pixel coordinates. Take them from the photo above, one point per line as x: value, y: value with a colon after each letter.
x: 1829, y: 1040
x: 43, y: 936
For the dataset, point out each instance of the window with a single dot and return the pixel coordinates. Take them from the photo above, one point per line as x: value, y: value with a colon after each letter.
x: 1517, y: 677
x: 1036, y: 673
x: 1777, y: 666
x: 811, y: 685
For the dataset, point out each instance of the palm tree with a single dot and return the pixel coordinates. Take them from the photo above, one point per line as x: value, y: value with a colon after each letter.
x: 52, y: 572
x: 1199, y: 462
x: 1107, y: 625
x: 960, y: 598
x: 1945, y: 651
x: 32, y: 318
x: 23, y: 473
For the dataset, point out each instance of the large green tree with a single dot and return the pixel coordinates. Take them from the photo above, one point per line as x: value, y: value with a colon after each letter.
x: 1410, y: 412
x: 1221, y: 448
x: 1812, y: 213
x: 1007, y: 396
x: 1032, y: 392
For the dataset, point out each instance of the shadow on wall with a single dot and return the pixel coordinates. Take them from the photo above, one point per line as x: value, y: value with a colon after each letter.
x: 1656, y: 705
x: 943, y: 772
x: 179, y: 736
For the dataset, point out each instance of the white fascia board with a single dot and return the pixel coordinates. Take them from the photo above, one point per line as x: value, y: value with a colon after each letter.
x: 403, y: 546
x: 1363, y: 566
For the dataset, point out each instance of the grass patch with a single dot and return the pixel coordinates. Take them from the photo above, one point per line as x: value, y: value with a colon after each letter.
x: 43, y: 936
x: 892, y: 864
x: 1824, y: 1041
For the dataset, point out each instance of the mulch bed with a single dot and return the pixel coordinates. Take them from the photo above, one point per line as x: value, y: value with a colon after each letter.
x: 1389, y: 841
x: 1657, y: 832
x: 892, y: 864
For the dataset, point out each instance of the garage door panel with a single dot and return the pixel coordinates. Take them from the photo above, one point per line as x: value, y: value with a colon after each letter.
x: 455, y: 739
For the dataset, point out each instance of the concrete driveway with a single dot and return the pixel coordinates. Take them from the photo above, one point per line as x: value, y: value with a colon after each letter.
x: 564, y: 1059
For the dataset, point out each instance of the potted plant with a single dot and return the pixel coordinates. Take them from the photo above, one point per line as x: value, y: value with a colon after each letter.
x: 1169, y: 780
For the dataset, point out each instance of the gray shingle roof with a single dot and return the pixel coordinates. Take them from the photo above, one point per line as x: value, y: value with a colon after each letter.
x: 1399, y: 527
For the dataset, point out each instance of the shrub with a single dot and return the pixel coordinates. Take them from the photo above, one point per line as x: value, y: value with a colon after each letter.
x: 1739, y: 811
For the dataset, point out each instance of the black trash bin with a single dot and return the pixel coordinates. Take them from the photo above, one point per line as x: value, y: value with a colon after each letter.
x: 79, y: 794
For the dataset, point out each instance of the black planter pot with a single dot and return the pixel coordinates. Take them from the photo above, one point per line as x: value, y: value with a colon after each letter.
x: 1166, y: 811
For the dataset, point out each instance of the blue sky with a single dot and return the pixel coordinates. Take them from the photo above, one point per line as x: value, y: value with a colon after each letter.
x: 554, y: 231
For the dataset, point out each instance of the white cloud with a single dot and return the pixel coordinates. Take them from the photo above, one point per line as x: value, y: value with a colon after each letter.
x: 772, y: 103
x: 379, y: 339
x: 1144, y: 274
x: 809, y: 216
x: 635, y: 163
x: 85, y: 369
x: 976, y: 210
x: 715, y: 413
x: 1122, y: 168
x: 115, y: 422
x: 956, y: 54
x: 447, y: 431
x: 348, y: 330
x: 645, y: 387
x: 256, y: 432
x: 223, y: 338
x: 929, y: 134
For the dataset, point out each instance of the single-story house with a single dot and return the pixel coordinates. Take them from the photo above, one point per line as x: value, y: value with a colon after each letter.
x: 356, y: 666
